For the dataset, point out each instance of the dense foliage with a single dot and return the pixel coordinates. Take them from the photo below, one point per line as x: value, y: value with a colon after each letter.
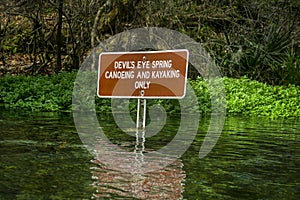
x: 45, y: 93
x: 243, y: 96
x: 259, y: 39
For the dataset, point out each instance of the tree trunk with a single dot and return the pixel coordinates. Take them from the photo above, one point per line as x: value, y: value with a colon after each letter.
x: 59, y: 36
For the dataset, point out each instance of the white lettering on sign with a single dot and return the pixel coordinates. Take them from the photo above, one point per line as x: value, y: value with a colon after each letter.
x: 143, y: 75
x: 143, y: 64
x: 161, y: 64
x: 124, y: 65
x: 165, y: 74
x: 119, y: 74
x: 142, y: 85
x: 157, y: 73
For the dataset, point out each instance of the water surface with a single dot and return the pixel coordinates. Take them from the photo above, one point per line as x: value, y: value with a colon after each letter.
x: 42, y: 157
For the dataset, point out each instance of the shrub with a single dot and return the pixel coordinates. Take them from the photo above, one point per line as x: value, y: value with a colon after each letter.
x: 243, y: 96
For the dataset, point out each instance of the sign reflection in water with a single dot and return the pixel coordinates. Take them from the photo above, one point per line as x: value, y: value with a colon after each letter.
x: 164, y: 183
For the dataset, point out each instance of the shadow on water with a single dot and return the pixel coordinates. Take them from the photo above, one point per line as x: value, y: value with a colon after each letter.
x: 42, y: 157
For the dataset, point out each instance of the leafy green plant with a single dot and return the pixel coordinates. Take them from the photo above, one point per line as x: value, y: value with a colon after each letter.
x: 253, y: 98
x: 243, y: 96
x: 45, y: 93
x: 289, y: 70
x: 263, y: 55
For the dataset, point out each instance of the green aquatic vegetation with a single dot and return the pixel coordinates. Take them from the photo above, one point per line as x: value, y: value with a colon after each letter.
x: 253, y: 98
x: 45, y: 93
x: 243, y: 96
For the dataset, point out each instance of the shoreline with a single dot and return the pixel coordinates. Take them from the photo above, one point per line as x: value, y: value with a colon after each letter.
x: 244, y: 97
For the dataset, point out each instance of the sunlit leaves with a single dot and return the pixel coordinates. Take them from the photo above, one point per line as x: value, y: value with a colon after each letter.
x: 243, y: 96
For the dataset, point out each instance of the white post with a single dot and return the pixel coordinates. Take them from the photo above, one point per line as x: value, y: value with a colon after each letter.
x: 144, y: 114
x: 138, y: 113
x: 143, y: 102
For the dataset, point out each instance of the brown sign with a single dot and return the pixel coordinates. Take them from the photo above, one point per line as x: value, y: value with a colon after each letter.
x: 146, y: 74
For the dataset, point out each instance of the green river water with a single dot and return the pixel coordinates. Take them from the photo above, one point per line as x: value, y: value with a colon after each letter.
x: 42, y: 157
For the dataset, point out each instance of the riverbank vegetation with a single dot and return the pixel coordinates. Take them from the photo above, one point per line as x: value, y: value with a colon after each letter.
x: 43, y: 41
x: 259, y: 39
x: 243, y: 96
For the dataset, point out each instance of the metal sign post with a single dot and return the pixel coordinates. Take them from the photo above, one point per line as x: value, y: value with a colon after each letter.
x: 138, y: 114
x: 144, y: 103
x: 144, y: 113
